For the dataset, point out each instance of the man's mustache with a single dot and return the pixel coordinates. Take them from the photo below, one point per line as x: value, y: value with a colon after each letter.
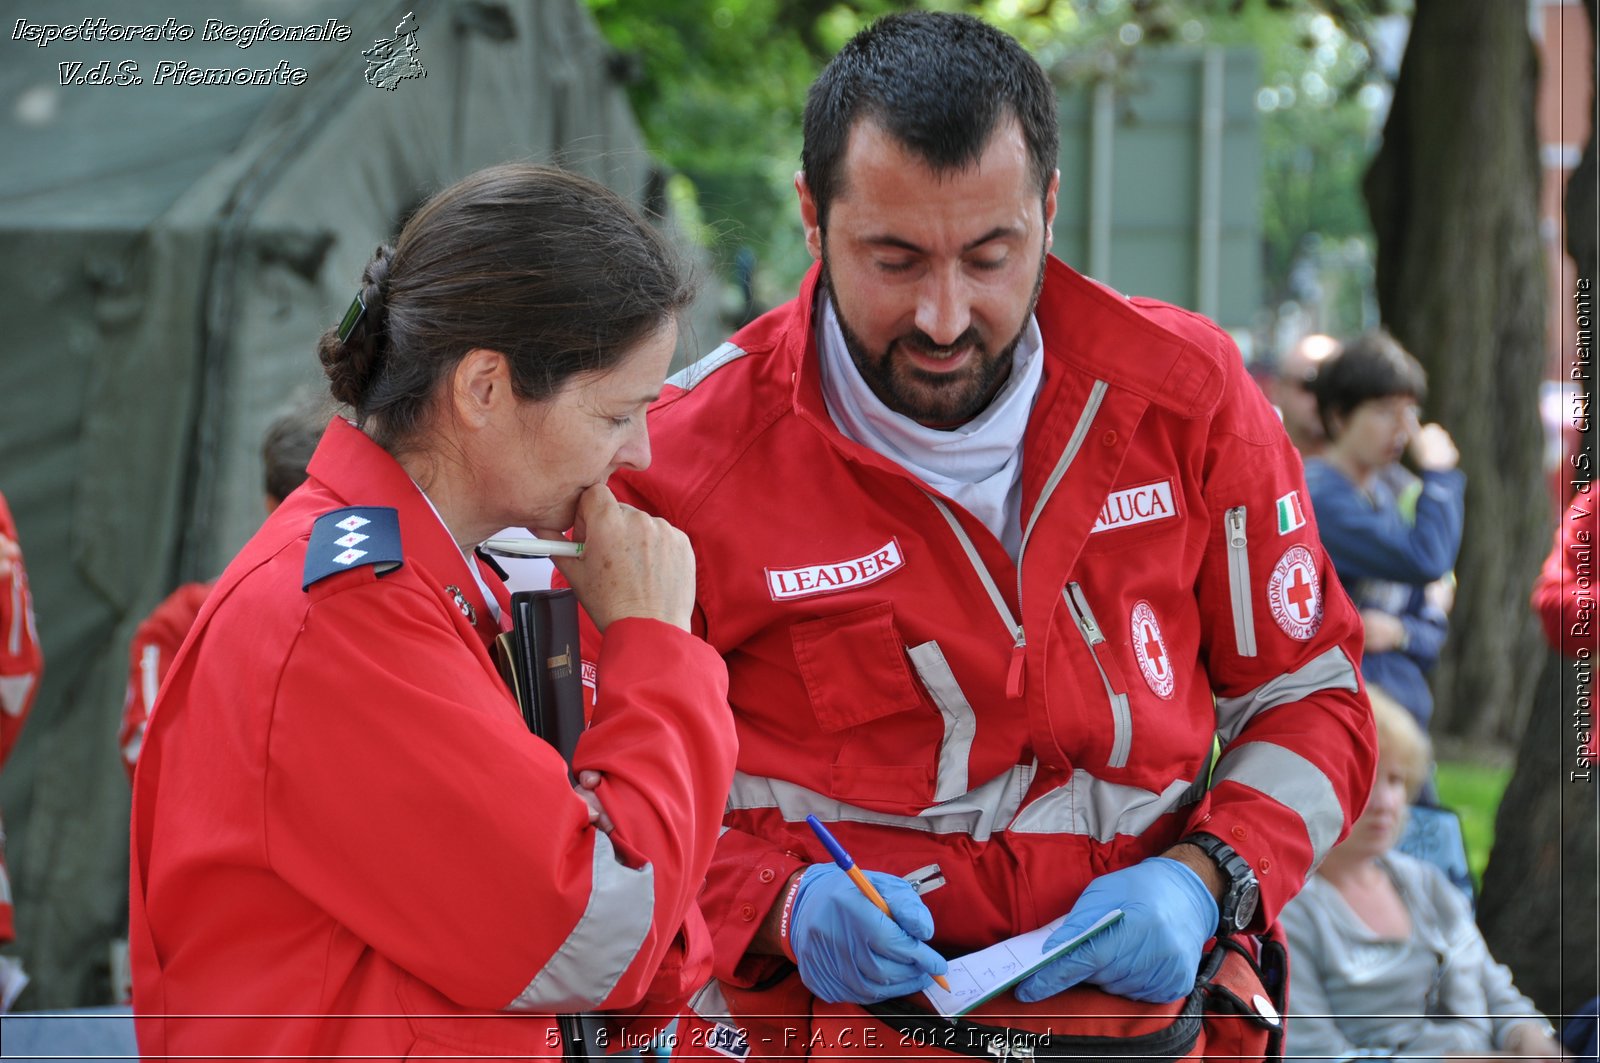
x: 924, y: 344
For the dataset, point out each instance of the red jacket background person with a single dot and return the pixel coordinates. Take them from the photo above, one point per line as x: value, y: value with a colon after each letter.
x: 992, y: 554
x: 21, y: 666
x: 345, y: 841
x: 1564, y: 593
x: 286, y: 448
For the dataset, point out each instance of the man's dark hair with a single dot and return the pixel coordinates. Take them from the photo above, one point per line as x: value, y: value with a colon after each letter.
x: 939, y: 84
x: 287, y: 447
x: 1373, y: 366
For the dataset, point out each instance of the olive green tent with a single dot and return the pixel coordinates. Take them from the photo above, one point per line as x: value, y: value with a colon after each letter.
x: 169, y: 253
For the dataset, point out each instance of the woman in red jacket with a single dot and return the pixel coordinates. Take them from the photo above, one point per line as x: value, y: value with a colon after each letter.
x: 345, y: 842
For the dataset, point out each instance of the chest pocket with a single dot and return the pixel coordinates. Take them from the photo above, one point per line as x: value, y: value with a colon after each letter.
x: 862, y: 691
x: 1116, y: 688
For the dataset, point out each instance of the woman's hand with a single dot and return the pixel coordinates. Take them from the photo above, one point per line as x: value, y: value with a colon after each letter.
x: 633, y: 564
x: 588, y: 783
x: 1384, y: 632
x: 1531, y: 1040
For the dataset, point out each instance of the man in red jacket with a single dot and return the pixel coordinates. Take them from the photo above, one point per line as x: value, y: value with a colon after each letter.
x: 285, y: 451
x: 993, y: 554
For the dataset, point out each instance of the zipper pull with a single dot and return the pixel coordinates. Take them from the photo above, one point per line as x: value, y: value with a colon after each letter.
x: 1236, y: 527
x: 1014, y: 673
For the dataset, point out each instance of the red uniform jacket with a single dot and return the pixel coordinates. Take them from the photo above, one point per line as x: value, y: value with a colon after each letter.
x: 155, y: 644
x: 21, y: 665
x: 345, y: 842
x: 1026, y: 727
x: 1566, y: 606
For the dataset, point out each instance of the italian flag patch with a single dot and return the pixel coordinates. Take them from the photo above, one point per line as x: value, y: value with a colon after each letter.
x: 1290, y: 513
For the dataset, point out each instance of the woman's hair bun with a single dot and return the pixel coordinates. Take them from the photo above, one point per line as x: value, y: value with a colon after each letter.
x: 352, y: 364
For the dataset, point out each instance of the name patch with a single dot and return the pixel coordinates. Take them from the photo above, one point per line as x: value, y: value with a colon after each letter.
x: 802, y: 582
x: 1136, y: 505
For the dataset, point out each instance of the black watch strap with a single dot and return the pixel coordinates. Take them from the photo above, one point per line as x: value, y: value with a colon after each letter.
x: 1241, y: 894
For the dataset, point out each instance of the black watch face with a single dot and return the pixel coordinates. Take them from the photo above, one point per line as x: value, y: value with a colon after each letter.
x: 1245, y: 909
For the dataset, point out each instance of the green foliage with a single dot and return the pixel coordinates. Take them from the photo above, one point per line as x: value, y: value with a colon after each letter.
x: 1473, y: 792
x: 719, y: 87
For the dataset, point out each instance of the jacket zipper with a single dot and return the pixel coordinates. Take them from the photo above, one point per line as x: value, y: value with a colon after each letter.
x: 1080, y: 431
x: 1019, y: 638
x: 1244, y: 627
x: 1095, y: 638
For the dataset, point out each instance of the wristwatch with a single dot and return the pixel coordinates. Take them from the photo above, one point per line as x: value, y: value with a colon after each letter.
x: 1242, y: 894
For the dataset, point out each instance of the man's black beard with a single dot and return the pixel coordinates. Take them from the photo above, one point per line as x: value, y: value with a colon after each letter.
x: 955, y: 403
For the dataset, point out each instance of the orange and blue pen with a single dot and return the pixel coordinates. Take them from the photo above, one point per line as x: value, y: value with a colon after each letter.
x: 847, y: 864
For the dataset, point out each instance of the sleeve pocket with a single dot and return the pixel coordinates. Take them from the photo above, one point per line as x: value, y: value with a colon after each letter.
x: 854, y: 667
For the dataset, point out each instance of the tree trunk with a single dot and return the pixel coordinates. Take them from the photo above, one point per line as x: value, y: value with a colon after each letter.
x: 1538, y: 910
x: 1453, y: 194
x: 1582, y: 207
x: 1540, y: 888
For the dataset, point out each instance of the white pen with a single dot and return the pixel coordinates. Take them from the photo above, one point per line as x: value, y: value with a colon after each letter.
x: 534, y: 547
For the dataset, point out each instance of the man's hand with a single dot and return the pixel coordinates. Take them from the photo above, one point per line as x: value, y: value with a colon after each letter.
x: 1152, y: 953
x: 850, y: 952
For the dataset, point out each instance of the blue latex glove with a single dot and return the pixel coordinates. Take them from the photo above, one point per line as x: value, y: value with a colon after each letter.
x: 1152, y: 954
x: 848, y: 951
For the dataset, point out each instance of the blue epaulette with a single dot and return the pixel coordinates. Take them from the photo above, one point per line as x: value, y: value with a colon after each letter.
x: 350, y: 538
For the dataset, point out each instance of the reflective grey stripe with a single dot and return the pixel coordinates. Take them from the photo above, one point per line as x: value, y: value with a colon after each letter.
x: 1085, y: 806
x: 1012, y: 627
x: 14, y: 693
x: 1097, y: 395
x: 693, y: 374
x: 149, y: 678
x: 960, y: 723
x: 709, y: 1003
x: 587, y: 966
x: 1098, y: 809
x: 1094, y: 637
x: 18, y: 615
x: 977, y: 813
x: 1244, y: 623
x: 1330, y: 670
x: 1292, y: 781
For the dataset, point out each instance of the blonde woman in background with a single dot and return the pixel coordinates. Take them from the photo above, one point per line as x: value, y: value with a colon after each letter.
x: 1387, y: 960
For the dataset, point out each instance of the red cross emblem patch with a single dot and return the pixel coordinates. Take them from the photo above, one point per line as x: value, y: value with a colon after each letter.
x: 1151, y: 649
x: 1294, y: 594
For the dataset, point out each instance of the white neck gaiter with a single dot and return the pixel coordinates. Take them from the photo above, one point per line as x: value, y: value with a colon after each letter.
x: 978, y: 464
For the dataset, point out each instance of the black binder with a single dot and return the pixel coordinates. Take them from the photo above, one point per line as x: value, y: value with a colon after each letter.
x: 538, y: 658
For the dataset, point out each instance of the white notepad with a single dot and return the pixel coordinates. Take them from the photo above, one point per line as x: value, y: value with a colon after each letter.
x: 983, y: 975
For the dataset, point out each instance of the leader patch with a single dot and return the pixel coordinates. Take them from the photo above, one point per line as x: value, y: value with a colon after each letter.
x: 1294, y: 594
x: 1136, y: 505
x: 807, y: 580
x: 1150, y: 647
